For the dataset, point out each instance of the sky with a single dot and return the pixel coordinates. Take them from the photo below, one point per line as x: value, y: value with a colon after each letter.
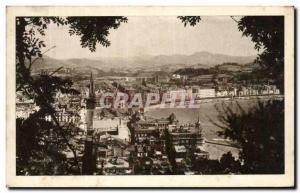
x: 144, y: 35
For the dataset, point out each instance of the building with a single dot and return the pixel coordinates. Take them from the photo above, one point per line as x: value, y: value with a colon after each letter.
x: 116, y: 166
x: 201, y: 153
x: 146, y: 133
x: 115, y: 127
x: 180, y: 151
x: 178, y: 94
x: 204, y: 92
x: 187, y: 135
x: 89, y: 157
x: 153, y: 123
x: 25, y: 109
x: 66, y: 116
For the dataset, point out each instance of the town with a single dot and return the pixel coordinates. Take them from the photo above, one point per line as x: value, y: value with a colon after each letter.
x: 122, y: 139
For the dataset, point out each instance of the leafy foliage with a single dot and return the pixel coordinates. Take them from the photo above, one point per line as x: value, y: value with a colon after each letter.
x: 260, y: 133
x: 94, y: 29
x: 229, y: 164
x: 37, y: 148
x: 267, y: 32
x: 254, y: 77
x: 193, y: 72
x: 34, y: 155
x: 226, y: 165
x: 190, y: 20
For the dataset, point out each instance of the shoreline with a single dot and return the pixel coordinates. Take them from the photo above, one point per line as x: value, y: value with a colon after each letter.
x: 217, y: 99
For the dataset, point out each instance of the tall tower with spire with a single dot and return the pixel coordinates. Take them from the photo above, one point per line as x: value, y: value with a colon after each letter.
x: 91, y: 87
x: 198, y: 130
x: 89, y: 159
x: 90, y: 107
x: 198, y: 126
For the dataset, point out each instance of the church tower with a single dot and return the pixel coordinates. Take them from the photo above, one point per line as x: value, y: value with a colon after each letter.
x: 89, y: 158
x: 198, y: 126
x: 90, y: 107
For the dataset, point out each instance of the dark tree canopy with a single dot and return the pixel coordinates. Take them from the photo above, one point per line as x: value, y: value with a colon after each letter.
x: 190, y: 20
x: 94, y: 29
x: 260, y: 133
x: 38, y: 147
x: 226, y: 165
x: 267, y: 32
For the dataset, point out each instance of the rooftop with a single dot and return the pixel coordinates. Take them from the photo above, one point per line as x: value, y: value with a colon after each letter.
x: 116, y: 163
x: 180, y: 148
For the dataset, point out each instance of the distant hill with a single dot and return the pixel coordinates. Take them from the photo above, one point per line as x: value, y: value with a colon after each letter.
x: 160, y: 62
x: 205, y: 58
x: 235, y: 67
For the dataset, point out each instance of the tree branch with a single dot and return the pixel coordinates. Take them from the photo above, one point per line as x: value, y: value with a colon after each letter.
x: 232, y: 17
x: 31, y: 63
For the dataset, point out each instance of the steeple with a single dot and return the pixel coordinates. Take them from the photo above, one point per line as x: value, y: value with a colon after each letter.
x: 91, y: 96
x: 91, y: 88
x: 198, y: 121
x: 198, y: 125
x: 89, y: 158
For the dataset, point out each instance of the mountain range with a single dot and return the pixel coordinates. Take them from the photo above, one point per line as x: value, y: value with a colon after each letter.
x: 159, y: 62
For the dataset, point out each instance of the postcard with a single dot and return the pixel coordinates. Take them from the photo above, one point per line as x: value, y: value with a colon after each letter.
x: 165, y: 97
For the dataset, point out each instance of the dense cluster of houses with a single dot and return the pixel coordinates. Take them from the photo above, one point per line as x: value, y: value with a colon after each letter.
x: 151, y: 146
x: 143, y: 146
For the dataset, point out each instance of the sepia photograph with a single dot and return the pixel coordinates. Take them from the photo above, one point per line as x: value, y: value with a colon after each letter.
x: 150, y: 94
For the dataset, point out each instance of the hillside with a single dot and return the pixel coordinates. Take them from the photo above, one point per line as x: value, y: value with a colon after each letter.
x: 160, y: 62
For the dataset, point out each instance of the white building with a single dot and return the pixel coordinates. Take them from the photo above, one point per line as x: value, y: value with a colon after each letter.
x: 111, y: 125
x: 206, y: 93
